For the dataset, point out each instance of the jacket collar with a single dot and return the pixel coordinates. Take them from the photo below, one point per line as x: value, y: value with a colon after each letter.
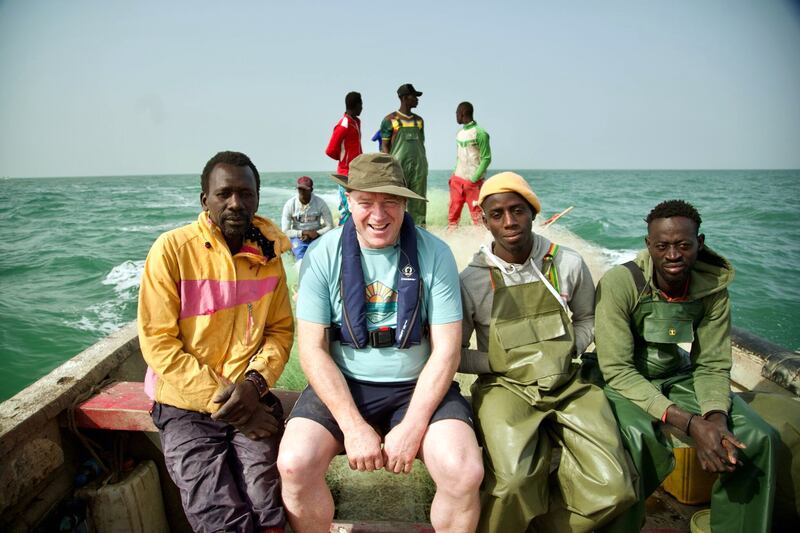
x: 213, y: 235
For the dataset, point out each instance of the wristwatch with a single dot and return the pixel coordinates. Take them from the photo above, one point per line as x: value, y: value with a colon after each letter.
x: 258, y: 380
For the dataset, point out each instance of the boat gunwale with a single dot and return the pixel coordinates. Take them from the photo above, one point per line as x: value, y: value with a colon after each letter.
x: 52, y: 393
x: 44, y: 400
x: 781, y: 366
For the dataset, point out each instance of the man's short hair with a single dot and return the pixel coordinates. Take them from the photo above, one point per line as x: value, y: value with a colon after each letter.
x: 467, y: 107
x: 674, y: 208
x: 237, y: 159
x: 352, y: 99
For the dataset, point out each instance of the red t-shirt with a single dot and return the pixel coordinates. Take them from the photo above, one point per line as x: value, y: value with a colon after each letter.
x: 345, y: 143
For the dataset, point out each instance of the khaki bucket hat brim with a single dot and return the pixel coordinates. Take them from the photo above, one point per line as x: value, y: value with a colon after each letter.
x: 378, y: 173
x: 385, y: 189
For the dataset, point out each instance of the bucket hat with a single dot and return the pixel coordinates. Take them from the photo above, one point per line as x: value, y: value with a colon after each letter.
x: 376, y: 173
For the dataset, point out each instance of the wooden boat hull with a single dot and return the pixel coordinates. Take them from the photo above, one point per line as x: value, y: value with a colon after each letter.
x: 40, y: 453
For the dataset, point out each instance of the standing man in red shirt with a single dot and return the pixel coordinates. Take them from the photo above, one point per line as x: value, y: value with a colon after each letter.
x: 345, y: 144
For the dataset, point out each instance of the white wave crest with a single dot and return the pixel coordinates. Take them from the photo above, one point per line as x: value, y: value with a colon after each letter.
x: 331, y: 198
x: 104, y: 318
x: 617, y: 257
x: 276, y: 192
x: 125, y: 278
x: 150, y: 228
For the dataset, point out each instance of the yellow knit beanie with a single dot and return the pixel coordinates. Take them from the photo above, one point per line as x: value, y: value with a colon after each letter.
x: 509, y: 182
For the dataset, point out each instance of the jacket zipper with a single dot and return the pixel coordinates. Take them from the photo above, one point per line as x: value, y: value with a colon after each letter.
x: 250, y: 322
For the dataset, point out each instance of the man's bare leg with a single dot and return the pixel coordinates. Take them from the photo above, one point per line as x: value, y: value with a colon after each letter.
x: 450, y: 452
x: 306, y: 451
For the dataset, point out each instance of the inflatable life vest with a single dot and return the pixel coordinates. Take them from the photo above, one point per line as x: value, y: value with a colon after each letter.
x: 353, y: 331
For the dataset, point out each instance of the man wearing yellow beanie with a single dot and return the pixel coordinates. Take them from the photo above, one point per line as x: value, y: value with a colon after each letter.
x: 531, y: 304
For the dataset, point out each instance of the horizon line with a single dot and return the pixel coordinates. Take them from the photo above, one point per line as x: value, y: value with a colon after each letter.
x: 301, y: 172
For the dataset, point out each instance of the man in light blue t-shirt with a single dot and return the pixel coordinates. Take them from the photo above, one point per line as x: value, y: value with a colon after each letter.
x: 379, y: 331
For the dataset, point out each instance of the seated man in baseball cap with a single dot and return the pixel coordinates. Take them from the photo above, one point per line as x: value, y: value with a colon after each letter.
x: 305, y: 217
x: 379, y: 331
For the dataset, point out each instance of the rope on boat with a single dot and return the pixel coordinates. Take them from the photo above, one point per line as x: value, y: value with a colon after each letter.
x: 91, y: 446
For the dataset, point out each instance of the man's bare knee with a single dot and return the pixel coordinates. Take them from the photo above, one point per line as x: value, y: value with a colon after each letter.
x: 305, y: 453
x: 453, y: 458
x: 460, y: 475
x: 295, y: 466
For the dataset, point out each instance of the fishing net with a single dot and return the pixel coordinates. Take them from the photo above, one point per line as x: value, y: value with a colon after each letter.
x: 380, y: 495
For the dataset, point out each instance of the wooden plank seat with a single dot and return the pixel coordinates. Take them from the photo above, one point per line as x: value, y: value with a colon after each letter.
x: 124, y: 406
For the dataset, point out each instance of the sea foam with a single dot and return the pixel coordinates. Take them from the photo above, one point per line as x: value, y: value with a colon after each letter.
x: 153, y: 228
x: 110, y: 315
x: 125, y: 278
x: 617, y: 257
x: 103, y: 318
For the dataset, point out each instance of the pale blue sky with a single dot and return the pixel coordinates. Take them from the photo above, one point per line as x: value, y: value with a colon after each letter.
x: 144, y: 87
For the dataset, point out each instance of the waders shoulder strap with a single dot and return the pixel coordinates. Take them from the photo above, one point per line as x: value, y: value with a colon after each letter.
x: 638, y: 277
x: 549, y: 268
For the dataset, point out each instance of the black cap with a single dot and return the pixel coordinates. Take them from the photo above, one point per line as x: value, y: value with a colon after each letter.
x: 407, y: 89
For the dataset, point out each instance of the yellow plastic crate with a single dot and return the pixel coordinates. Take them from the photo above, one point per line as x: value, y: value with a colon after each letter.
x: 689, y: 483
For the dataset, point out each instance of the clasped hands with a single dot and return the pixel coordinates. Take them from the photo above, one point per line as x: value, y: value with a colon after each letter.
x: 242, y: 408
x: 716, y: 445
x: 365, y: 454
x: 308, y: 235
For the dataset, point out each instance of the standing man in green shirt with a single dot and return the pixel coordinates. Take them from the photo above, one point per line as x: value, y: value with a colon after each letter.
x: 403, y: 136
x: 473, y: 156
x: 675, y: 294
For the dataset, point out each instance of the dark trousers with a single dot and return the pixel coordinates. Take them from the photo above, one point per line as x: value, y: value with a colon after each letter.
x: 227, y: 481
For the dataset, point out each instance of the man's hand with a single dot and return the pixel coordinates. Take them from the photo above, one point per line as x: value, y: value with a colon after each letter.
x: 262, y: 424
x: 239, y: 402
x: 308, y: 235
x: 363, y: 447
x: 400, y: 448
x: 716, y: 446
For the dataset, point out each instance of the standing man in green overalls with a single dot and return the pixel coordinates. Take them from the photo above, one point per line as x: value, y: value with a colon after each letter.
x: 676, y: 293
x: 531, y: 305
x: 403, y: 136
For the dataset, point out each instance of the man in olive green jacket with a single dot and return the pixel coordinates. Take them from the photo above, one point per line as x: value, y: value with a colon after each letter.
x: 675, y: 295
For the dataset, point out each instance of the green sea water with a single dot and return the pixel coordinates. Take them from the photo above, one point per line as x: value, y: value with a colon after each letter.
x: 73, y: 248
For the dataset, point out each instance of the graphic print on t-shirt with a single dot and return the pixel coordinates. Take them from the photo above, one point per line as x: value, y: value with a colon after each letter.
x: 381, y: 302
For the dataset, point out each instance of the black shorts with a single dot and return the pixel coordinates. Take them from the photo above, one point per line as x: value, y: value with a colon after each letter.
x: 383, y: 406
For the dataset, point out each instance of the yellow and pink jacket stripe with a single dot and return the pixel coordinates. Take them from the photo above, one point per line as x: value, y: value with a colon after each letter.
x: 206, y: 317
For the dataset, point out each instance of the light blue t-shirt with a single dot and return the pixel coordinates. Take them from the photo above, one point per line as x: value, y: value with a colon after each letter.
x: 319, y: 301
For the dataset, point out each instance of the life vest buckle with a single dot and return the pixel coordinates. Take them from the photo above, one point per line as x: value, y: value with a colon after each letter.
x: 382, y: 337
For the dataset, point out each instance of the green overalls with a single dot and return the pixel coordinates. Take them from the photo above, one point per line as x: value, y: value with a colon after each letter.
x: 740, y: 501
x: 782, y: 412
x: 532, y: 401
x: 408, y: 147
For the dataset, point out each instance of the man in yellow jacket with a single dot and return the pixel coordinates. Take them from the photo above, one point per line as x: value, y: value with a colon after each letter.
x: 216, y: 328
